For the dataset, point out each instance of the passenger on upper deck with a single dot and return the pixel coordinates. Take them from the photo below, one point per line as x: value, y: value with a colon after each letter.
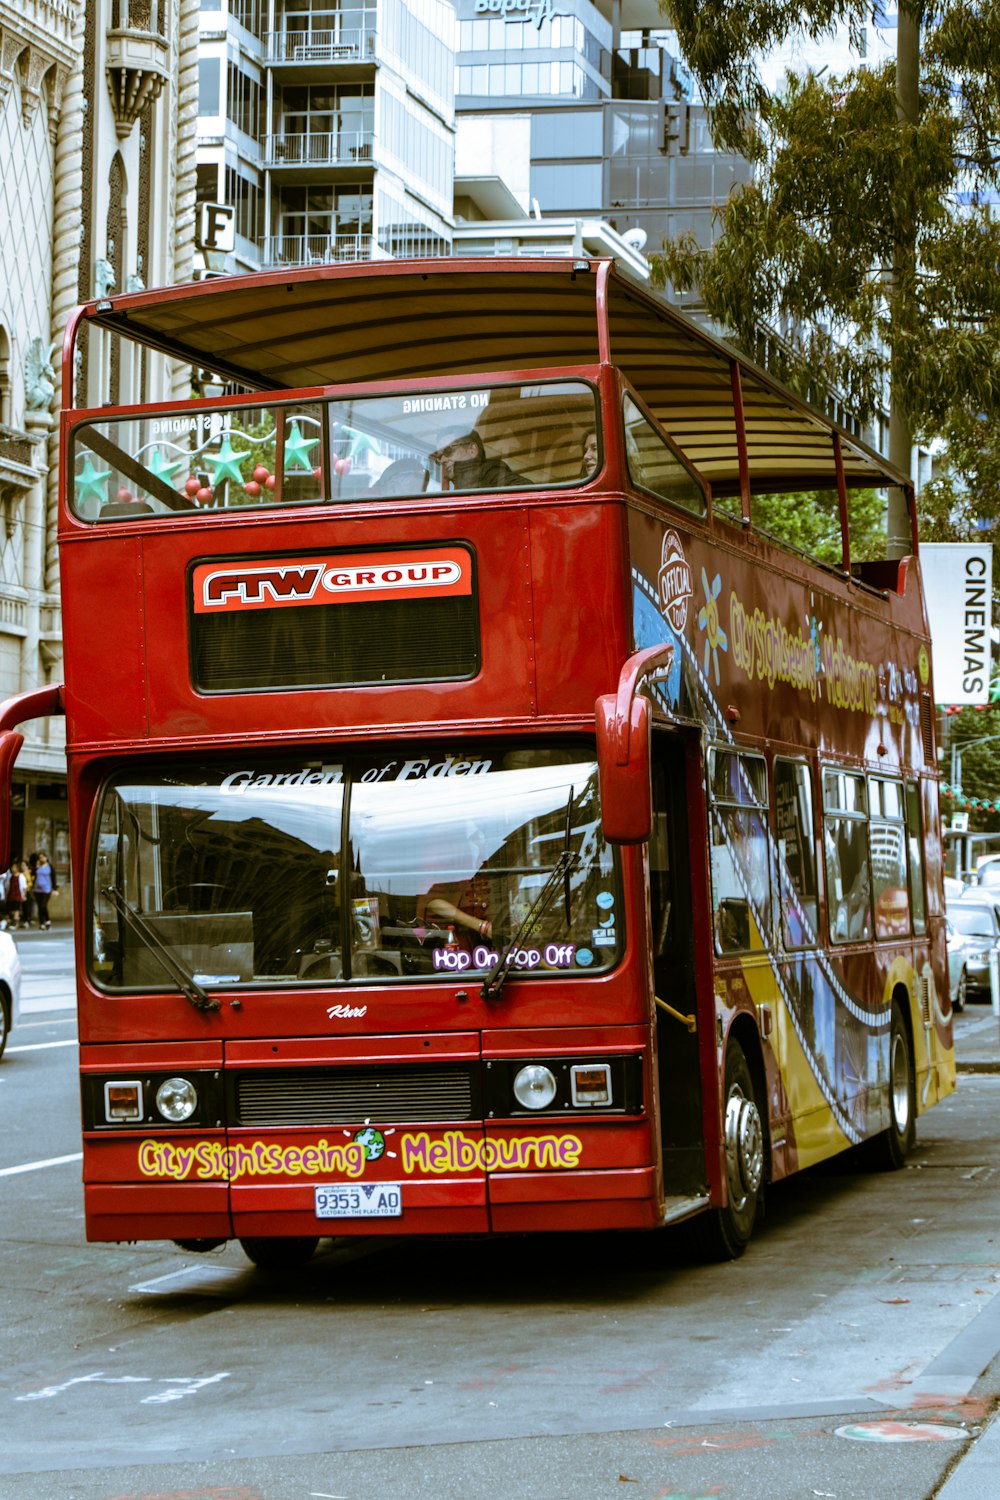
x: 464, y: 465
x: 407, y: 476
x: 589, y: 454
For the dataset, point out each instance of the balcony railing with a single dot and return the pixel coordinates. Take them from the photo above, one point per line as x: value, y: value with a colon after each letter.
x: 316, y: 249
x: 320, y: 46
x: 331, y: 148
x: 278, y: 251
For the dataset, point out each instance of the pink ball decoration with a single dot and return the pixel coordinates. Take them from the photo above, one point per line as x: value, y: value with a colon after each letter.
x: 252, y: 488
x: 260, y: 473
x: 269, y: 482
x: 205, y: 494
x: 192, y: 485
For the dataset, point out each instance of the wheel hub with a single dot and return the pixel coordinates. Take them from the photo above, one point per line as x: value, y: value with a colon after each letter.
x: 744, y: 1144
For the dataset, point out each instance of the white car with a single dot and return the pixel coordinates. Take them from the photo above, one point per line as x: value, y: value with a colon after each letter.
x: 10, y: 987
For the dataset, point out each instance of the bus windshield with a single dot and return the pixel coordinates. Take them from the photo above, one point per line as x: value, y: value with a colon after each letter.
x: 354, y: 448
x: 381, y: 865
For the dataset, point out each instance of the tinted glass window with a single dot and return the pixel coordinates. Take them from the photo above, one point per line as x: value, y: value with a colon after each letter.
x: 653, y: 464
x: 364, y: 448
x: 848, y: 868
x: 797, y: 875
x: 739, y: 856
x: 420, y: 862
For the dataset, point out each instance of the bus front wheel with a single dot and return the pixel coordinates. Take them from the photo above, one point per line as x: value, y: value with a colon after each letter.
x: 280, y: 1253
x: 725, y: 1232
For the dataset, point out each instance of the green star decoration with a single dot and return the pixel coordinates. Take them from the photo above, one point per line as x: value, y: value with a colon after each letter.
x: 226, y: 464
x: 161, y: 466
x: 91, y: 484
x: 297, y: 450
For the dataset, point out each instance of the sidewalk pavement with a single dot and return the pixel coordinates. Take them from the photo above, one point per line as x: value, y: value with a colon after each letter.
x: 977, y: 1474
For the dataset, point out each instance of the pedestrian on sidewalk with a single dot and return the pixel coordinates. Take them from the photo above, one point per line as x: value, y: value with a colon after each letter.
x: 17, y: 889
x: 43, y: 889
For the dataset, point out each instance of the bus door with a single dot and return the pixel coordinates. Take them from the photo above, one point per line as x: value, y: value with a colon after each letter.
x: 672, y: 929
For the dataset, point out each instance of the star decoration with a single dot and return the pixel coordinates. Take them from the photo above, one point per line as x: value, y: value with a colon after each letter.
x: 226, y: 464
x: 91, y: 484
x: 161, y: 466
x: 297, y: 450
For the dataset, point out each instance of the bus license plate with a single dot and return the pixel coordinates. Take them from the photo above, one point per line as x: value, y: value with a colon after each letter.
x: 352, y: 1200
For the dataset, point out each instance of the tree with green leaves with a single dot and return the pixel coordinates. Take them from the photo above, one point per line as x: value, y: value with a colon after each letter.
x: 869, y: 234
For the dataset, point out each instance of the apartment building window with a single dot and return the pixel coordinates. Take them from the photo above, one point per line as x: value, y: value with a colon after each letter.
x: 426, y: 155
x: 250, y: 14
x: 246, y: 197
x: 330, y: 124
x: 244, y: 98
x: 322, y: 213
x: 331, y: 22
x: 428, y: 56
x: 209, y: 85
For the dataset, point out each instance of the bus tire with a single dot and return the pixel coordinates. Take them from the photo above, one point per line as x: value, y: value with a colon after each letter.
x: 282, y: 1253
x: 888, y: 1150
x: 724, y: 1233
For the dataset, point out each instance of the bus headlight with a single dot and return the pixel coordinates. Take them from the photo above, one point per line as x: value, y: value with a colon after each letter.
x: 177, y: 1099
x: 534, y: 1086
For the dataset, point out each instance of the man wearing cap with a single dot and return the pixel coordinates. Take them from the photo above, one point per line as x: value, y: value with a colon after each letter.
x: 464, y: 465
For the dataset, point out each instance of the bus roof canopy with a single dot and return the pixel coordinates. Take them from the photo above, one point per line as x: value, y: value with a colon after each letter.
x: 419, y: 320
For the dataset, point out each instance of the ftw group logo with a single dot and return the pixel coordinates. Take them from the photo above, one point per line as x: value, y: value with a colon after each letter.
x: 298, y: 581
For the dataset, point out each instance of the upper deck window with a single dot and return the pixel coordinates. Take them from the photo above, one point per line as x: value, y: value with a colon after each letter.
x: 195, y: 460
x: 653, y: 465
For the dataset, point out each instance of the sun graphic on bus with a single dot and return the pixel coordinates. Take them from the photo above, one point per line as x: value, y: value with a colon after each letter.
x: 716, y: 639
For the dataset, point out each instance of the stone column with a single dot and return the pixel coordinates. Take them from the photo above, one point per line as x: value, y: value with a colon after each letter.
x: 67, y: 224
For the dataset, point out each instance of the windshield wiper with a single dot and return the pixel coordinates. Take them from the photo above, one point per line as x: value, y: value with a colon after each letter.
x: 560, y: 871
x: 185, y: 982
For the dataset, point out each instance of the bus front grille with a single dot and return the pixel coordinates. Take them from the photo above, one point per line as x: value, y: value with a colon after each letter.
x: 382, y: 1095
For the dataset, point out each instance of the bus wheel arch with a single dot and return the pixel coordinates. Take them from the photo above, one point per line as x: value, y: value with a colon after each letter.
x: 725, y: 1232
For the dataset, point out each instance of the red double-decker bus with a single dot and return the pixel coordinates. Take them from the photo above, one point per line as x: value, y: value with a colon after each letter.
x: 479, y: 822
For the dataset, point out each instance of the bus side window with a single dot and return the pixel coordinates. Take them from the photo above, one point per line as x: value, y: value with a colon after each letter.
x: 915, y: 842
x: 848, y: 870
x: 890, y: 887
x: 741, y: 890
x: 795, y: 827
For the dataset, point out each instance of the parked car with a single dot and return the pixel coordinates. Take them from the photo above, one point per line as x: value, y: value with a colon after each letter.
x: 10, y: 987
x: 958, y: 978
x: 977, y: 922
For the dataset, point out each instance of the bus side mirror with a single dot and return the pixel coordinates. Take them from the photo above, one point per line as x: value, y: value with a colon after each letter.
x: 10, y: 744
x: 624, y: 765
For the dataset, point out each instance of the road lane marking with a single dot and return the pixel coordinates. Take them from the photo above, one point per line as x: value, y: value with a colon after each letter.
x: 34, y: 1166
x: 41, y: 1046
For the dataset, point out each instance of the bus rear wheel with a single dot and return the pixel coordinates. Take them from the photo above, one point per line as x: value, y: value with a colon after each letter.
x: 282, y: 1253
x: 725, y: 1232
x: 889, y: 1150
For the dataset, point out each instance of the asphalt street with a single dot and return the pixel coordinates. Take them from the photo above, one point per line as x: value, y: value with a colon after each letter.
x: 853, y: 1353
